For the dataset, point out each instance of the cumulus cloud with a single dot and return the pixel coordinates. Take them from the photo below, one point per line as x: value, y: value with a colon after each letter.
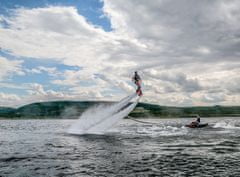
x: 8, y: 99
x: 37, y: 93
x: 10, y: 67
x: 60, y: 33
x: 187, y: 51
x: 73, y: 77
x: 52, y: 71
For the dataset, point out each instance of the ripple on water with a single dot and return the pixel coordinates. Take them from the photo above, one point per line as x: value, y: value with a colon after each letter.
x: 40, y: 148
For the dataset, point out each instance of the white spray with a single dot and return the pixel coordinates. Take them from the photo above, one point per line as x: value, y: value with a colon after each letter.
x: 99, y: 119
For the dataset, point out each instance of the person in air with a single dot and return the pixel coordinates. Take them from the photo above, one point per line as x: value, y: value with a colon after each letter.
x: 137, y: 80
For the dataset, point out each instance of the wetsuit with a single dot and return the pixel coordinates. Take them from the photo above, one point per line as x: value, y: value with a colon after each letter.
x: 137, y: 80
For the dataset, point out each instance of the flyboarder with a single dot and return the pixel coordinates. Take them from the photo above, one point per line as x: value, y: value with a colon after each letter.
x: 137, y: 80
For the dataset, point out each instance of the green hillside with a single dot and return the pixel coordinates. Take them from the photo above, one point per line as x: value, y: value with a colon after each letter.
x: 72, y: 109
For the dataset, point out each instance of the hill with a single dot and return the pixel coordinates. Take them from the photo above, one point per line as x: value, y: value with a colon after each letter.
x: 72, y: 109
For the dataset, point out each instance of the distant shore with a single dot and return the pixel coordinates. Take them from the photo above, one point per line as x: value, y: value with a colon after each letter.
x: 49, y: 118
x: 73, y: 109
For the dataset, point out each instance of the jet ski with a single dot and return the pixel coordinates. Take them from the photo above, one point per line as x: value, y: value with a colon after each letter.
x: 196, y: 125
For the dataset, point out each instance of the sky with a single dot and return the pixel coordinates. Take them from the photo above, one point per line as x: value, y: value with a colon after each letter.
x: 187, y: 52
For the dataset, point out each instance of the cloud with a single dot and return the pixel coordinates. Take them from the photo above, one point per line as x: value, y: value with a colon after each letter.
x: 203, y: 50
x: 52, y: 71
x: 8, y: 99
x: 37, y: 93
x: 61, y: 34
x: 187, y: 52
x: 73, y: 77
x: 12, y: 85
x: 174, y: 29
x: 210, y: 98
x: 10, y: 67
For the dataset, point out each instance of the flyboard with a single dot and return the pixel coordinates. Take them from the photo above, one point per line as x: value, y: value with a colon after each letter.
x: 99, y: 119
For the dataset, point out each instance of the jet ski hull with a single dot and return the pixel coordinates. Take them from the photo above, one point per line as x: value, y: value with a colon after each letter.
x: 196, y: 126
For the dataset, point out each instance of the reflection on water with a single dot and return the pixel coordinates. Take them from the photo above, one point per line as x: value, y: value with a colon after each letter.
x: 164, y: 148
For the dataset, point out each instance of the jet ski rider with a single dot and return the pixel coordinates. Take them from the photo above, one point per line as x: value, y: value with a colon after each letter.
x: 197, y: 122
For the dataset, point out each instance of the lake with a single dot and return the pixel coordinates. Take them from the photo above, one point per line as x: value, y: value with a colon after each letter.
x: 162, y: 147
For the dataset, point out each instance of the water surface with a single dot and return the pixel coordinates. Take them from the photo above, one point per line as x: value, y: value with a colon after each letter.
x: 163, y: 148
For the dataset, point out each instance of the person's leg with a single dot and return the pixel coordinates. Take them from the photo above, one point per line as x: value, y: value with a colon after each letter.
x: 138, y: 83
x: 139, y: 91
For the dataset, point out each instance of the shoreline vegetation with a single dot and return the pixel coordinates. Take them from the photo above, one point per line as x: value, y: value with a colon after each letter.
x: 73, y: 109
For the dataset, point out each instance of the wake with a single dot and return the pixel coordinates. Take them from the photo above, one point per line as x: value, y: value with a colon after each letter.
x: 227, y: 124
x: 99, y: 119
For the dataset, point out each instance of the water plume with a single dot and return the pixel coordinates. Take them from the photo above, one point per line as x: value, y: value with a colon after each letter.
x: 98, y: 119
